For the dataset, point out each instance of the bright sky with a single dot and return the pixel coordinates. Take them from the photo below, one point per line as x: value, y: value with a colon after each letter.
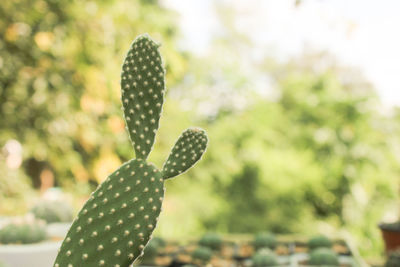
x: 361, y: 33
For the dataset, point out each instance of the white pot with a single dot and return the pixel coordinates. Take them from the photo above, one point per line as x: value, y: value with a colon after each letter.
x: 57, y: 231
x: 33, y: 255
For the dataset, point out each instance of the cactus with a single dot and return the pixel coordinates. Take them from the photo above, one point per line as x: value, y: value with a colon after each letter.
x: 211, y: 240
x: 116, y: 223
x: 264, y: 257
x: 23, y: 232
x: 53, y: 211
x: 323, y: 256
x: 202, y: 255
x: 319, y: 241
x: 264, y: 240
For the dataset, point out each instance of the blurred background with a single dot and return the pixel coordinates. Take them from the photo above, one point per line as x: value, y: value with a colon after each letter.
x: 300, y: 100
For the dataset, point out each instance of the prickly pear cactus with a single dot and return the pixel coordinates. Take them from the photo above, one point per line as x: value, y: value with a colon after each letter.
x: 116, y: 223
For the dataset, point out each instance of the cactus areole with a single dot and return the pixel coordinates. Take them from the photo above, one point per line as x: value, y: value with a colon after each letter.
x: 116, y: 223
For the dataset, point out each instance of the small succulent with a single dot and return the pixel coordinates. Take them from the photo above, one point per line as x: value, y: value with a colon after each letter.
x: 202, y: 254
x: 323, y: 256
x: 53, y: 211
x: 116, y: 223
x: 150, y: 252
x: 393, y: 259
x: 264, y: 257
x: 23, y: 232
x: 211, y: 240
x: 264, y: 240
x: 319, y: 241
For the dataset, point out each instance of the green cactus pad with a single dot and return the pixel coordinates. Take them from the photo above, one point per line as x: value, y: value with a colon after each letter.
x: 142, y: 83
x: 187, y: 150
x: 116, y: 223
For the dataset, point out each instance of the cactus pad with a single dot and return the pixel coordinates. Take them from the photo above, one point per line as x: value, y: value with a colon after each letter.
x: 187, y: 150
x: 116, y: 223
x: 142, y: 84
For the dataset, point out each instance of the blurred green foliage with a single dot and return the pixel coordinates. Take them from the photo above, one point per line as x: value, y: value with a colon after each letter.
x: 317, y: 156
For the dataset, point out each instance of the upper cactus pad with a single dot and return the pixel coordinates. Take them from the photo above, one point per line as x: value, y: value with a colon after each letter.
x: 142, y: 84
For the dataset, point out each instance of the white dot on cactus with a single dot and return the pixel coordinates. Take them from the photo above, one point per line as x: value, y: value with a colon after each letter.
x: 100, y: 193
x: 84, y: 211
x: 130, y: 244
x: 141, y: 208
x: 138, y: 147
x: 78, y: 229
x: 114, y: 239
x: 117, y: 265
x: 81, y: 241
x: 131, y: 111
x: 130, y: 256
x: 138, y: 182
x: 94, y: 206
x: 146, y: 189
x: 154, y: 208
x: 70, y: 265
x: 68, y: 253
x: 157, y: 190
x: 131, y: 96
x: 68, y: 240
x: 56, y: 265
x: 142, y: 136
x: 112, y: 211
x: 100, y: 247
x: 152, y: 179
x: 146, y: 217
x: 116, y: 195
x: 102, y: 262
x: 120, y: 222
x: 137, y: 122
x: 137, y: 226
x: 90, y: 220
x: 148, y: 141
x: 136, y: 198
x: 126, y: 233
x: 110, y: 187
x: 150, y: 226
x: 131, y: 215
x: 105, y: 200
x: 121, y: 179
x: 123, y: 205
x: 94, y: 234
x: 141, y: 247
x: 84, y: 256
x: 127, y: 188
x: 117, y: 252
x: 142, y: 116
x: 140, y: 234
x: 108, y: 228
x: 152, y: 121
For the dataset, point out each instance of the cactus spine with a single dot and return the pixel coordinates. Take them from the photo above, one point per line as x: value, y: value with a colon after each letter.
x: 116, y: 223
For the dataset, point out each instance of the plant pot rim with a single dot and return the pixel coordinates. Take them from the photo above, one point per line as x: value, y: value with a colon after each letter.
x: 392, y: 227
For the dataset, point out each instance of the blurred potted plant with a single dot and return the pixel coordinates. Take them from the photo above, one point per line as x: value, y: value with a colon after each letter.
x: 57, y: 214
x: 23, y: 242
x: 391, y: 235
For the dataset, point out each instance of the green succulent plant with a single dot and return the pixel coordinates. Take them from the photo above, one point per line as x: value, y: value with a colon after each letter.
x: 393, y: 259
x: 323, y: 256
x: 264, y: 240
x: 116, y: 223
x: 319, y: 241
x: 211, y: 240
x: 25, y: 232
x: 150, y: 252
x: 202, y: 254
x: 53, y: 211
x: 264, y: 257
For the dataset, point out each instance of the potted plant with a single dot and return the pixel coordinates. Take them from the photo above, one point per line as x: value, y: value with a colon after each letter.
x: 391, y: 235
x: 24, y: 242
x: 58, y: 216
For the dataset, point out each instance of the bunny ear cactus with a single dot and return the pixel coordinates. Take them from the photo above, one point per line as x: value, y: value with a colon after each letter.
x: 116, y: 223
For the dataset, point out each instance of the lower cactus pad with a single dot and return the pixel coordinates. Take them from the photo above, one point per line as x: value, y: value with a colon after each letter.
x: 117, y: 221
